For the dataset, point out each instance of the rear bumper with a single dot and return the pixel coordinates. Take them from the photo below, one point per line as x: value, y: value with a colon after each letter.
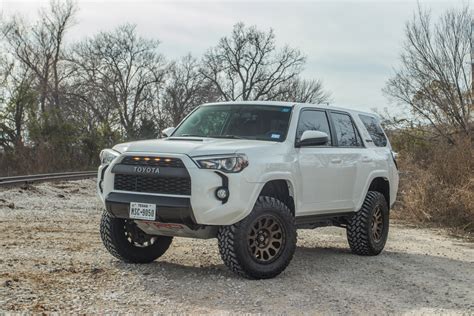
x: 168, y: 209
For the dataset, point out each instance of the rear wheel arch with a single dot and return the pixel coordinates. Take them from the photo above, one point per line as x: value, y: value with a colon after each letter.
x: 381, y: 185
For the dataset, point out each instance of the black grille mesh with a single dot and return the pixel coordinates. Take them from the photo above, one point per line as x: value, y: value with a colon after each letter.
x: 178, y: 186
x: 153, y: 161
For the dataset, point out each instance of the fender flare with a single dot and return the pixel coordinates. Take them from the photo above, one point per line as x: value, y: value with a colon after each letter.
x: 373, y: 175
x: 286, y: 176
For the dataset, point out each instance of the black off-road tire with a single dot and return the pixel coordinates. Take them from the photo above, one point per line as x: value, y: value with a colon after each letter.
x: 234, y: 245
x: 360, y: 232
x: 113, y: 234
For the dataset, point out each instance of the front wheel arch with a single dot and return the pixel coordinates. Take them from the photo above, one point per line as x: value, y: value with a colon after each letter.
x: 281, y: 190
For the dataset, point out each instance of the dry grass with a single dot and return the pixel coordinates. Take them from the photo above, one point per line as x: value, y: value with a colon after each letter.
x: 43, y: 159
x: 438, y: 189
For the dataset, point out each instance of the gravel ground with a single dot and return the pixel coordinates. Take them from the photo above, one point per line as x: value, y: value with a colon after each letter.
x: 52, y: 259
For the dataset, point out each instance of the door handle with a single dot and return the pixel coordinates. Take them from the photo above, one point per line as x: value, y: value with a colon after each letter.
x: 336, y: 160
x: 366, y: 159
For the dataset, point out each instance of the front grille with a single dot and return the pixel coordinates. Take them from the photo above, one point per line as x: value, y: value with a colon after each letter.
x: 168, y: 185
x: 153, y: 161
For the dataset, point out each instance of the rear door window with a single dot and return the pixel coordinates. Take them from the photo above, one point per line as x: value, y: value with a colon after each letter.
x: 374, y: 129
x: 346, y: 133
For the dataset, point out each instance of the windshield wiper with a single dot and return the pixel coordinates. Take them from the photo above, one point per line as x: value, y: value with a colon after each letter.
x: 190, y: 135
x: 228, y: 136
x: 212, y: 136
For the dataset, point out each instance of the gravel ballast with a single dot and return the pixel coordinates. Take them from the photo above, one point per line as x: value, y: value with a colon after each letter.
x: 52, y: 259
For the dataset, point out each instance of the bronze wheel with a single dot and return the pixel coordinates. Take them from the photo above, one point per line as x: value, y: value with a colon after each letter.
x: 266, y: 239
x: 367, y: 230
x: 377, y: 224
x: 262, y: 244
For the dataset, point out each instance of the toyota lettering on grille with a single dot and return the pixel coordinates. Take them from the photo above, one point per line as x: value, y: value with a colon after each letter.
x: 150, y: 170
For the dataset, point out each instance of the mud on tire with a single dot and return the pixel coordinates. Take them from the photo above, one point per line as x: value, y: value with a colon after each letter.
x: 368, y: 229
x: 125, y: 241
x: 261, y: 245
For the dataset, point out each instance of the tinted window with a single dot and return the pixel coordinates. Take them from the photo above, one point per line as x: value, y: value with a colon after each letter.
x: 375, y: 130
x: 313, y: 121
x: 260, y: 122
x: 345, y: 131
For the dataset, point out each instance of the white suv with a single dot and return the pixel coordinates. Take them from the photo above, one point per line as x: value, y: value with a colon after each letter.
x: 250, y: 174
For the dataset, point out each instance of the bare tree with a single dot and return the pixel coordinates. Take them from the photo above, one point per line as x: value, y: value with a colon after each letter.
x: 124, y: 71
x: 185, y: 89
x: 304, y: 91
x: 248, y: 66
x: 434, y: 78
x: 40, y: 48
x: 17, y: 98
x: 61, y: 103
x: 88, y: 89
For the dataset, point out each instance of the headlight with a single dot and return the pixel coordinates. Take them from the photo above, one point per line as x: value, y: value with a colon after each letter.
x: 107, y: 156
x: 234, y: 163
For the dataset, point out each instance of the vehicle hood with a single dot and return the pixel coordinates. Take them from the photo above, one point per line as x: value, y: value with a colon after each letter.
x: 193, y: 146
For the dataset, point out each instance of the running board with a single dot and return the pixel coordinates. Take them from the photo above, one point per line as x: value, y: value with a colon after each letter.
x: 319, y: 220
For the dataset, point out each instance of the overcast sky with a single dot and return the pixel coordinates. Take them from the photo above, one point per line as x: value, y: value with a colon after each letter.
x: 352, y: 46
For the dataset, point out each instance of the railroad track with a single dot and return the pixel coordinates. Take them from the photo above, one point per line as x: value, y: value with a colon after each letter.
x: 4, y: 181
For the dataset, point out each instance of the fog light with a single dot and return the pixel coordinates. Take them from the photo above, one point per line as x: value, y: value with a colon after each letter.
x: 222, y: 193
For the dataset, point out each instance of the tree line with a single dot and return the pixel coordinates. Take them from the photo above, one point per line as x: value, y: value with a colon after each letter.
x: 61, y: 102
x: 433, y: 81
x: 434, y: 77
x: 70, y: 99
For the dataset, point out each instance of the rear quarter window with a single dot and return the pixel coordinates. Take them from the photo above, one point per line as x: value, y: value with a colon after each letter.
x: 375, y: 130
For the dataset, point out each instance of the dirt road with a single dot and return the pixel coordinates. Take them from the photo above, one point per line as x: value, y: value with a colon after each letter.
x: 52, y: 259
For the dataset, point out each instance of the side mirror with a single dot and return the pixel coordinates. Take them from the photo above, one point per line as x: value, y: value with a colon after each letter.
x: 313, y: 138
x: 168, y: 131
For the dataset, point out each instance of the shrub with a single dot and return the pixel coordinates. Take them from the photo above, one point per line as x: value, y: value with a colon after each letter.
x: 437, y: 186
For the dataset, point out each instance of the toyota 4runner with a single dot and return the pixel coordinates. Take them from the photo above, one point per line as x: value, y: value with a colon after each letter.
x: 250, y: 174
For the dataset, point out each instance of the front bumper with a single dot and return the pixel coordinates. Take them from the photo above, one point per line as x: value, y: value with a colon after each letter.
x: 200, y: 208
x: 169, y: 209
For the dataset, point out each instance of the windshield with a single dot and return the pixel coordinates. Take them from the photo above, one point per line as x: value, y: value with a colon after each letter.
x: 259, y: 122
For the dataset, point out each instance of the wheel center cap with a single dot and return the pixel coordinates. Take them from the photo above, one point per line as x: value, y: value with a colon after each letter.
x: 261, y: 238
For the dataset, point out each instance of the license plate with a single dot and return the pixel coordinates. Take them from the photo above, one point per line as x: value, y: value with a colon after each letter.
x: 142, y: 211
